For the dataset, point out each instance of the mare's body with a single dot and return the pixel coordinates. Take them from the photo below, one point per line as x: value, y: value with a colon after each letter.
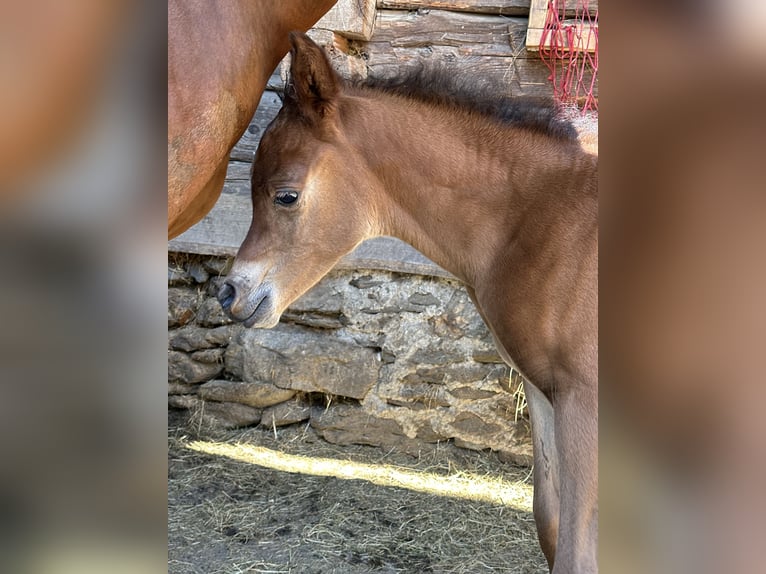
x: 503, y: 197
x: 220, y: 56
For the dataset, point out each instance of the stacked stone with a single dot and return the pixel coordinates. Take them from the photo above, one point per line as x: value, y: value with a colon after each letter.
x: 366, y: 357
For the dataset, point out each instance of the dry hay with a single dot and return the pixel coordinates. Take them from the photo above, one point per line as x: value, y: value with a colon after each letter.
x: 230, y: 516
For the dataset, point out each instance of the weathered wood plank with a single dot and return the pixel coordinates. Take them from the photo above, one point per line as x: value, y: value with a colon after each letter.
x: 516, y: 76
x: 350, y: 18
x: 488, y: 48
x: 238, y: 171
x: 275, y: 82
x: 504, y: 7
x: 538, y: 13
x: 498, y: 7
x: 391, y: 254
x: 482, y: 32
x: 223, y: 229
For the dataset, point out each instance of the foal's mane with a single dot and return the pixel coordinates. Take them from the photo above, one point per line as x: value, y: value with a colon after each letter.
x: 439, y: 86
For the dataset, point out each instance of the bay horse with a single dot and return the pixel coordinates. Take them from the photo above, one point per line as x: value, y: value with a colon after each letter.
x: 497, y: 192
x: 220, y: 56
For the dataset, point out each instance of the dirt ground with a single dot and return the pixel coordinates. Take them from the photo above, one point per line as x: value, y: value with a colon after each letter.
x: 226, y: 516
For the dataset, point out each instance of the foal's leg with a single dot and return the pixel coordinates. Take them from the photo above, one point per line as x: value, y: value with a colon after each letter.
x: 546, y: 471
x: 545, y: 502
x: 576, y: 424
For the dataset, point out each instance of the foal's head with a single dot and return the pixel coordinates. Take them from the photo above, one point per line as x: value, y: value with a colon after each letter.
x: 306, y: 188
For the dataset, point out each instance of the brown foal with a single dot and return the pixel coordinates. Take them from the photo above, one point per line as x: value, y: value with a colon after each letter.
x: 498, y: 193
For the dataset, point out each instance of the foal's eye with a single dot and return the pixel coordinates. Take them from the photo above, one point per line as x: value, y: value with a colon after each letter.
x: 286, y: 197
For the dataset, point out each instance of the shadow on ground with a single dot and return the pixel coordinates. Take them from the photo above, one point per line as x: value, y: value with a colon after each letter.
x: 226, y: 516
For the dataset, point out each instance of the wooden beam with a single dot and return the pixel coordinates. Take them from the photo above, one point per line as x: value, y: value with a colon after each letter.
x: 486, y: 47
x: 538, y: 12
x: 221, y: 231
x: 350, y: 18
x: 586, y: 35
x: 499, y: 7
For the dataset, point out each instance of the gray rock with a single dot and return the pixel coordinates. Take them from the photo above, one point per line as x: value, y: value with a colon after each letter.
x: 213, y: 286
x: 425, y: 376
x: 208, y: 356
x: 470, y: 393
x: 519, y: 458
x: 229, y: 415
x: 316, y: 320
x: 182, y: 368
x: 469, y: 444
x: 423, y: 300
x: 365, y: 282
x: 467, y: 373
x: 223, y: 415
x: 426, y: 433
x: 325, y: 297
x: 197, y: 272
x: 307, y: 360
x: 286, y: 413
x: 210, y: 314
x: 192, y: 337
x: 461, y: 319
x: 177, y: 276
x: 218, y: 265
x: 184, y: 402
x: 182, y: 389
x: 471, y: 424
x: 434, y: 355
x: 257, y: 395
x: 182, y: 306
x: 421, y: 395
x: 350, y: 424
x: 486, y: 354
x: 234, y: 360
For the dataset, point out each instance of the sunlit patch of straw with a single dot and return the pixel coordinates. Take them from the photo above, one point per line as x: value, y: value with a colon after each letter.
x: 482, y: 488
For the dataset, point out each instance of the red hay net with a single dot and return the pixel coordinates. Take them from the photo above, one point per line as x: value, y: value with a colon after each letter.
x: 569, y: 47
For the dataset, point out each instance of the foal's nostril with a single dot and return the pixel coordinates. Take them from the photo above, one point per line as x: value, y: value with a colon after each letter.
x: 226, y: 295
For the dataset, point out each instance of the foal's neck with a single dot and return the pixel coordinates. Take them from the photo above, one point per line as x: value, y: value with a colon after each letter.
x: 457, y: 185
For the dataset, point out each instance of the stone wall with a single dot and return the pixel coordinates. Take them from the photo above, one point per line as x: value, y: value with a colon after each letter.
x: 370, y: 357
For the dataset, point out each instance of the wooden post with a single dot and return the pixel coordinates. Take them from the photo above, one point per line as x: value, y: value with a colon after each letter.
x: 538, y: 9
x: 585, y: 36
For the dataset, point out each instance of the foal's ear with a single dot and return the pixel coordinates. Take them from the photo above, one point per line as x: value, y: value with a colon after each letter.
x: 315, y: 82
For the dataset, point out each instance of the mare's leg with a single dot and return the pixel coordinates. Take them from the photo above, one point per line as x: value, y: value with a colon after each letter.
x: 576, y: 428
x: 546, y: 470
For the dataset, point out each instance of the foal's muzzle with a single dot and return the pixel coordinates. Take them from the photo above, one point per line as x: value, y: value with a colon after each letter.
x: 226, y: 295
x: 253, y: 307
